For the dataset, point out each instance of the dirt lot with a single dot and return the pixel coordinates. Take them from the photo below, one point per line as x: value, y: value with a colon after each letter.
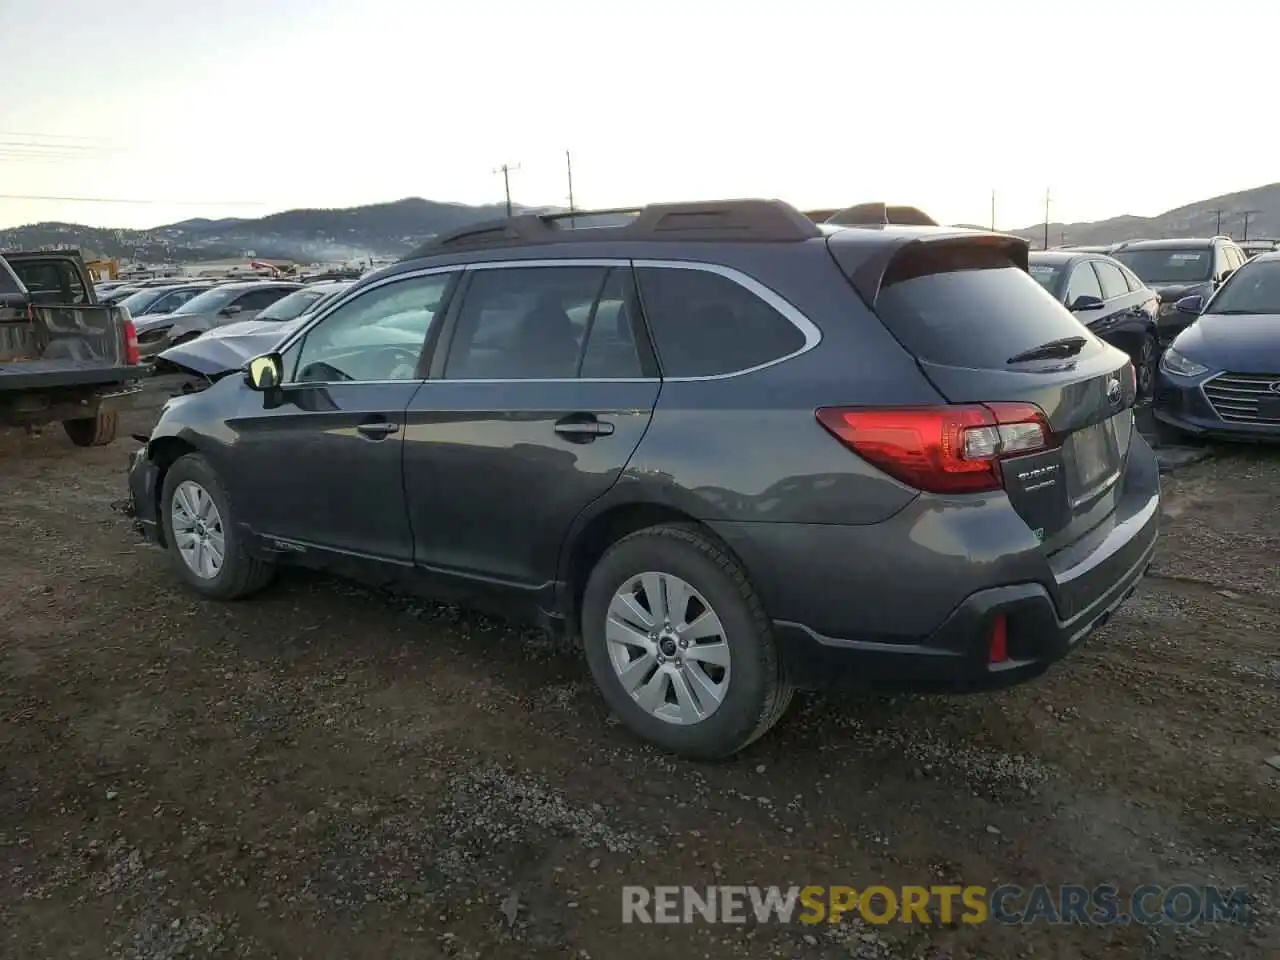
x: 327, y: 772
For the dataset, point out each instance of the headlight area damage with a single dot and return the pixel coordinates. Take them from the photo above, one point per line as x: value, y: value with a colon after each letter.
x: 197, y: 364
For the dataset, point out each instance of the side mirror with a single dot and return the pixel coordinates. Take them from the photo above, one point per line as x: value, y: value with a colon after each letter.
x: 1087, y: 301
x: 1193, y: 305
x: 264, y: 372
x: 231, y: 310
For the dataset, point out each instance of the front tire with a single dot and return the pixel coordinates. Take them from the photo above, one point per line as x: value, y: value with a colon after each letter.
x: 92, y: 431
x: 679, y: 644
x: 201, y: 535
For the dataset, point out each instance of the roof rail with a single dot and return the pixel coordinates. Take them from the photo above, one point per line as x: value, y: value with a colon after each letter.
x: 870, y: 214
x: 749, y: 220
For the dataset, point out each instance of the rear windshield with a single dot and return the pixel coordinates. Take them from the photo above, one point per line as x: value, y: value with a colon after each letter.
x: 1168, y: 266
x: 8, y: 282
x: 1046, y: 274
x: 292, y: 305
x: 975, y: 316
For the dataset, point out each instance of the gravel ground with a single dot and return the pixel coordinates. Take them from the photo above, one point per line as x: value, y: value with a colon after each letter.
x: 325, y: 771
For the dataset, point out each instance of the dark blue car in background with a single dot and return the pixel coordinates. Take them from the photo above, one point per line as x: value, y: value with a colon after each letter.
x: 1221, y: 377
x: 1109, y: 299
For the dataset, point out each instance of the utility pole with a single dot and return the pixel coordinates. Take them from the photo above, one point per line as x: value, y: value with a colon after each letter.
x: 993, y: 211
x: 1217, y: 230
x: 1247, y: 214
x: 505, y: 170
x: 1046, y: 217
x: 568, y: 165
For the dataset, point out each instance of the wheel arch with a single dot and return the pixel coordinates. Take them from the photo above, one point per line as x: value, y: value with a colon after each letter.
x: 597, y: 533
x: 164, y: 452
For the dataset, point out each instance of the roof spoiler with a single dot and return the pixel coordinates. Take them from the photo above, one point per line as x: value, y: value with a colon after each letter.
x: 909, y: 257
x: 873, y: 214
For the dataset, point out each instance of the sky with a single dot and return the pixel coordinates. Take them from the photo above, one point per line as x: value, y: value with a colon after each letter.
x: 221, y: 108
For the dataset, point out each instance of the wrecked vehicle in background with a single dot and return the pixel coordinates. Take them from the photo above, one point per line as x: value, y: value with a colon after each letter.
x: 196, y: 363
x: 64, y: 357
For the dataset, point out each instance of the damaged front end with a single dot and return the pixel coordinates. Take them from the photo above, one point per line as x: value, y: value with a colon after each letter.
x: 197, y: 364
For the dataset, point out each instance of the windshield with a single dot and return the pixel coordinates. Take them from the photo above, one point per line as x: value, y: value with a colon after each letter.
x: 1169, y: 265
x: 291, y: 306
x: 211, y: 301
x: 1255, y: 288
x: 140, y: 301
x: 1046, y: 274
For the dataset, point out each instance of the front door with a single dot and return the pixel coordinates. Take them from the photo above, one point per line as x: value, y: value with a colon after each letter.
x: 318, y: 465
x: 534, y: 408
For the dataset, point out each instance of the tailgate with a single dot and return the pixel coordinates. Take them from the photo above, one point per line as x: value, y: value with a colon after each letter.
x: 984, y: 332
x: 71, y: 344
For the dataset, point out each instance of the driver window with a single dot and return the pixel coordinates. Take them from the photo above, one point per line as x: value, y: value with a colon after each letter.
x: 376, y: 335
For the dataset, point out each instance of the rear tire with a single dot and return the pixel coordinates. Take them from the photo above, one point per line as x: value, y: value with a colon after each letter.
x: 207, y: 549
x: 92, y: 431
x: 736, y: 678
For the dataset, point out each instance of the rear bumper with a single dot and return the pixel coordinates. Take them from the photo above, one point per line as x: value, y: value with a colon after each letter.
x: 956, y: 657
x: 911, y: 602
x: 47, y: 375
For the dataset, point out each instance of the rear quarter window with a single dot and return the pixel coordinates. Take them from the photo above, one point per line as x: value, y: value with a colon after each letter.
x: 970, y: 308
x: 705, y: 324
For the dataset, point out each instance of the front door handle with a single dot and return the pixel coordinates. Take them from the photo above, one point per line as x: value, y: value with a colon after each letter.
x: 378, y: 430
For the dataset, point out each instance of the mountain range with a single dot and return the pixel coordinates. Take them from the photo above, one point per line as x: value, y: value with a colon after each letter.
x: 1204, y: 218
x: 304, y: 236
x: 390, y: 229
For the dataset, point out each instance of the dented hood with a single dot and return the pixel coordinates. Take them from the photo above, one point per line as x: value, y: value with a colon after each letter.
x: 227, y: 349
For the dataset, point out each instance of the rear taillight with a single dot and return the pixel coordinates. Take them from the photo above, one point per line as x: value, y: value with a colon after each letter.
x: 131, y: 353
x: 948, y: 449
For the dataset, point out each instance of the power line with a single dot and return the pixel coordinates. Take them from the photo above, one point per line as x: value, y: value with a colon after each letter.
x: 50, y: 136
x: 505, y: 170
x: 167, y: 203
x: 1046, y: 217
x: 1247, y: 214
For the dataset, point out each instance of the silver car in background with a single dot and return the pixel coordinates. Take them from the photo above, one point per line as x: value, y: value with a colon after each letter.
x: 224, y: 304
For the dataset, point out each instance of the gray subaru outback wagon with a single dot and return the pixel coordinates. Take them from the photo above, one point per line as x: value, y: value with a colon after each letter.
x: 729, y: 450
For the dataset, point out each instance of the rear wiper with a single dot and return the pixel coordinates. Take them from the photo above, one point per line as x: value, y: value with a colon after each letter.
x: 1054, y: 349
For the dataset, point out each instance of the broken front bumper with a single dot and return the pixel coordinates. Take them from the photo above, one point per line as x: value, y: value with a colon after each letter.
x: 140, y: 505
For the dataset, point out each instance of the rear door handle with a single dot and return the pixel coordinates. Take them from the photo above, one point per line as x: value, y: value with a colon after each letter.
x: 583, y: 429
x: 378, y: 429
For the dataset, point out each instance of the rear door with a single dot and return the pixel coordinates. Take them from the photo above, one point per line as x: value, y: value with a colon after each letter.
x: 1123, y: 323
x: 974, y: 319
x: 534, y: 406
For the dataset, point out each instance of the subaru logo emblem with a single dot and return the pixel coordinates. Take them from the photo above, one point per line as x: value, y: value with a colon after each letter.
x: 1114, y: 391
x: 1274, y: 386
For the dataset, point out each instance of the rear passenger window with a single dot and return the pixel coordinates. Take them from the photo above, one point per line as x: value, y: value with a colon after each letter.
x: 1113, y: 282
x: 546, y: 323
x: 969, y: 307
x: 1083, y: 283
x: 705, y: 324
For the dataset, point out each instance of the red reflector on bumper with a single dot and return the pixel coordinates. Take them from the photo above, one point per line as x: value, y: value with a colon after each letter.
x: 999, y: 639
